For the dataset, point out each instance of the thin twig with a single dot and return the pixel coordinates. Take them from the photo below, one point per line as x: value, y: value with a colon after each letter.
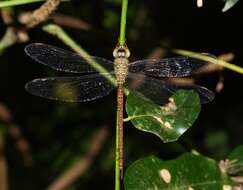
x: 12, y: 35
x: 14, y: 131
x: 4, y: 4
x: 157, y: 53
x: 210, y: 59
x: 41, y: 14
x: 69, y: 21
x: 78, y: 169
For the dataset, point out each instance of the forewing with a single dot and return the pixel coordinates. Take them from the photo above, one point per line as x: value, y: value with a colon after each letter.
x: 63, y: 60
x: 159, y: 91
x: 180, y: 66
x: 71, y: 89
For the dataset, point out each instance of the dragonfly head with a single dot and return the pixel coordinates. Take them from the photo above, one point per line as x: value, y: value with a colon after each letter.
x: 121, y: 51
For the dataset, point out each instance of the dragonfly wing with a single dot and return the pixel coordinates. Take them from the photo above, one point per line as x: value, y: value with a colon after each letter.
x: 71, y: 89
x: 159, y: 91
x: 180, y: 66
x: 63, y: 60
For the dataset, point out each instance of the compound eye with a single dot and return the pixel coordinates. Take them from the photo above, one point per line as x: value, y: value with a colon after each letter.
x: 128, y: 53
x: 115, y: 53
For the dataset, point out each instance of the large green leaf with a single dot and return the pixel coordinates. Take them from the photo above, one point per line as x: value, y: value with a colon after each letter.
x: 168, y: 122
x: 229, y: 4
x: 187, y: 172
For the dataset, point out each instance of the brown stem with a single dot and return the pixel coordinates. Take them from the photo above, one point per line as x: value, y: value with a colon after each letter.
x: 22, y: 145
x: 41, y: 14
x: 69, y: 21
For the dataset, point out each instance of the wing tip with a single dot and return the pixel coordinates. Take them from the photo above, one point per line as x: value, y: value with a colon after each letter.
x: 30, y: 47
x: 210, y: 95
x: 28, y: 86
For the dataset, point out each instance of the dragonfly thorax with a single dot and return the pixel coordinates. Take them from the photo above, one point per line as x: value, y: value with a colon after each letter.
x: 121, y: 54
x: 121, y: 69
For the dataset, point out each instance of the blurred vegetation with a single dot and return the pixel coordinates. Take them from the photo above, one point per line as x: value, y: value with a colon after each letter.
x: 43, y: 139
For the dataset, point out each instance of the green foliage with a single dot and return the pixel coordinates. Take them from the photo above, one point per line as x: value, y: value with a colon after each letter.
x: 168, y: 122
x: 187, y: 172
x: 229, y: 4
x: 236, y: 159
x: 237, y: 153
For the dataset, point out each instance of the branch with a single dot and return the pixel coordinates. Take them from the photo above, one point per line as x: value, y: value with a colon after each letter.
x: 41, y: 14
x: 16, y: 2
x: 14, y: 131
x: 70, y: 21
x: 12, y: 35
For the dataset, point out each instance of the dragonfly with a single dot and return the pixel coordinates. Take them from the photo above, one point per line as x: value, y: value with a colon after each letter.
x: 142, y: 76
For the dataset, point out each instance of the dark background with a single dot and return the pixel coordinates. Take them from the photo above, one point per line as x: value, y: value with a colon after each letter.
x: 58, y: 134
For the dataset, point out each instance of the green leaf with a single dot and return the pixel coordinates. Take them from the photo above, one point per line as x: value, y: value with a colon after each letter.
x: 236, y: 161
x: 229, y: 4
x: 168, y: 122
x: 187, y: 172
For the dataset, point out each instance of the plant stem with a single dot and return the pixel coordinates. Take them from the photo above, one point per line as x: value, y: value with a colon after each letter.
x: 20, y: 2
x: 122, y: 38
x: 17, y: 2
x: 210, y: 60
